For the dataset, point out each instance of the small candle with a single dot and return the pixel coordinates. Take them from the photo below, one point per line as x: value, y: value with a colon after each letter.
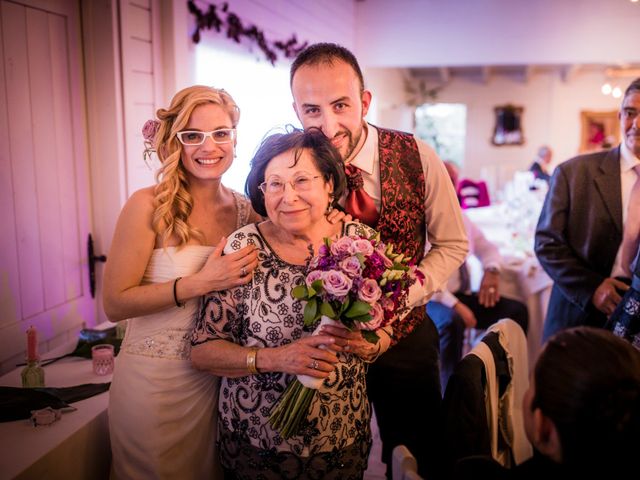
x: 32, y: 344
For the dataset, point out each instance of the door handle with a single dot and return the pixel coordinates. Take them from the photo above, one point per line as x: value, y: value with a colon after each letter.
x: 92, y: 265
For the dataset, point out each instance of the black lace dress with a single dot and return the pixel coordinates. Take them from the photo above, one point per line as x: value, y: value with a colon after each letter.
x: 335, y: 439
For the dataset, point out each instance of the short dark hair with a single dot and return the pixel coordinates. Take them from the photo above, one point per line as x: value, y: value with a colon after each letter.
x: 326, y: 53
x: 587, y: 381
x: 325, y: 157
x: 633, y: 87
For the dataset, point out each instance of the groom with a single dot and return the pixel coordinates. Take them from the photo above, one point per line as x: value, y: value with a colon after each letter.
x: 400, y: 187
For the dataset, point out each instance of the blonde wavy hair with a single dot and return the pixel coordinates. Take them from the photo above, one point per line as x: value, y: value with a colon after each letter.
x: 173, y: 202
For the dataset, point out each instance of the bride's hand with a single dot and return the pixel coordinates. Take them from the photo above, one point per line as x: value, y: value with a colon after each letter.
x: 221, y: 272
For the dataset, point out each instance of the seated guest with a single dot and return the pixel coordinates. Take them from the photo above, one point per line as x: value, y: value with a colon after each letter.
x: 254, y: 337
x: 457, y: 308
x: 541, y: 164
x: 581, y: 411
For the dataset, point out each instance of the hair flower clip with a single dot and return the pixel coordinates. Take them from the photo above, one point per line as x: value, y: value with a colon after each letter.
x: 150, y: 129
x: 149, y: 132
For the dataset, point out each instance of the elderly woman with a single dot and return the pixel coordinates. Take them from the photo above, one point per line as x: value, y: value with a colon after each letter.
x: 254, y: 335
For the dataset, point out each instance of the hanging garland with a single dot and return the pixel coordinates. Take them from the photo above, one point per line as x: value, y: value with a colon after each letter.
x: 235, y: 30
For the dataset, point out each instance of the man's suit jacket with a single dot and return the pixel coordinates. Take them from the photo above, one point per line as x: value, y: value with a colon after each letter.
x: 578, y: 235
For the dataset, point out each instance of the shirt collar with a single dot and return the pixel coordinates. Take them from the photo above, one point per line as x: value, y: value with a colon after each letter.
x: 627, y: 159
x: 366, y: 156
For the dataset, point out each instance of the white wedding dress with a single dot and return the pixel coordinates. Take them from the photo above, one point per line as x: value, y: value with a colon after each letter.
x: 162, y: 412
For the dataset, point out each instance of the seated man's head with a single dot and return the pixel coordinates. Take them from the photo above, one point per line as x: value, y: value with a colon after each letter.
x: 544, y: 155
x: 583, y: 404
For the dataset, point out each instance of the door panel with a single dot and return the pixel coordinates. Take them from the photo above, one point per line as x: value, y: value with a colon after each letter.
x: 44, y: 175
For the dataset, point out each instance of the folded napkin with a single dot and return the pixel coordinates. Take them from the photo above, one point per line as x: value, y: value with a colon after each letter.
x: 17, y: 403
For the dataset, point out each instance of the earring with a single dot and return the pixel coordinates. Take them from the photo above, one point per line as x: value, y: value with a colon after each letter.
x: 329, y: 205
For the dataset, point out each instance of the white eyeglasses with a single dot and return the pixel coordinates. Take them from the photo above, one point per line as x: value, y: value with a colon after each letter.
x: 195, y: 137
x: 275, y: 186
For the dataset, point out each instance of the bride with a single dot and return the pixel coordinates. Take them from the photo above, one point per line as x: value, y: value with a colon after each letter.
x: 166, y: 253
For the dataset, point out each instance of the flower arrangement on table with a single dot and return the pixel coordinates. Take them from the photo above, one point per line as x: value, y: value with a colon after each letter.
x: 357, y: 282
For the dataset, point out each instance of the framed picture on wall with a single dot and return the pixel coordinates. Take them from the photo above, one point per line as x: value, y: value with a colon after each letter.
x: 598, y: 130
x: 508, y: 126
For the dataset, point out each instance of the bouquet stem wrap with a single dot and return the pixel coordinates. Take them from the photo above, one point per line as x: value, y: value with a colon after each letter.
x: 293, y: 406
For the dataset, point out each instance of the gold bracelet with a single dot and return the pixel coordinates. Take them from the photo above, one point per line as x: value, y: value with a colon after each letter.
x: 251, y: 361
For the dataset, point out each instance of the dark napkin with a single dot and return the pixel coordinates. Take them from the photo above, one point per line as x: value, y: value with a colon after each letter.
x: 17, y: 403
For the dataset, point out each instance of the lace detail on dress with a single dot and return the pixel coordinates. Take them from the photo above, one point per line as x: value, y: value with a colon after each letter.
x: 243, y: 207
x: 170, y: 343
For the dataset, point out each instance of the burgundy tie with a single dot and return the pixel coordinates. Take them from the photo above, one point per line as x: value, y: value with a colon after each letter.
x: 359, y: 204
x: 631, y: 235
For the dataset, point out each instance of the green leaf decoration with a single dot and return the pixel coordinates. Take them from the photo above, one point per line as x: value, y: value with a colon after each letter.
x: 357, y: 308
x: 299, y: 292
x: 370, y: 336
x: 327, y: 310
x: 363, y: 318
x: 310, y: 311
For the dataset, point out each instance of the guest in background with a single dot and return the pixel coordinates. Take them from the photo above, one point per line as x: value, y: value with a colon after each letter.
x: 166, y: 253
x: 457, y: 308
x: 541, y: 166
x: 398, y: 185
x: 593, y: 204
x: 581, y: 411
x: 254, y: 336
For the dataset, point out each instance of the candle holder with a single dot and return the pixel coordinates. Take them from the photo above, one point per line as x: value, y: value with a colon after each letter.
x: 103, y: 359
x: 32, y: 375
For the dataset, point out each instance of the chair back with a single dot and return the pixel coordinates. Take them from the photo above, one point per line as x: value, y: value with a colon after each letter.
x: 403, y: 464
x: 473, y: 194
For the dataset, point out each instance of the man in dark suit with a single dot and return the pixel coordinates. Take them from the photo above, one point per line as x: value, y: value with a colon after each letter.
x: 581, y: 226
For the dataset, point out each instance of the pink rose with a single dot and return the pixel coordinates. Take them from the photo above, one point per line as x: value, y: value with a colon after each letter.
x: 313, y: 276
x: 150, y: 129
x: 336, y: 283
x: 362, y: 246
x: 351, y: 266
x: 377, y: 317
x: 369, y: 291
x: 342, y: 246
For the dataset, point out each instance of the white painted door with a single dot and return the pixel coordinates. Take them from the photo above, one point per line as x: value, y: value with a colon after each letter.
x: 44, y: 187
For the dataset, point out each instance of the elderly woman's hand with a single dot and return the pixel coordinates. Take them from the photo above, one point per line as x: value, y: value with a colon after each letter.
x: 304, y: 356
x: 353, y: 342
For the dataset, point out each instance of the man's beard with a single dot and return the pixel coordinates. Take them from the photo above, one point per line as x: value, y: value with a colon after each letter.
x: 352, y: 143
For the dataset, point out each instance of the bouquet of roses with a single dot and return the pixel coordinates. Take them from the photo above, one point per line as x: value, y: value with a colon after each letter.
x: 356, y: 281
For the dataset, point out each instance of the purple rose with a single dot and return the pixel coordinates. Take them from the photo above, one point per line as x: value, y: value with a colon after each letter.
x: 386, y: 261
x: 362, y: 246
x: 351, y: 266
x: 342, y: 246
x: 313, y: 276
x: 377, y: 318
x: 369, y: 291
x: 336, y: 283
x: 150, y: 129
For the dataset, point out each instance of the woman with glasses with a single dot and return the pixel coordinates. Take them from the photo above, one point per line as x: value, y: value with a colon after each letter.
x: 253, y: 335
x: 165, y: 254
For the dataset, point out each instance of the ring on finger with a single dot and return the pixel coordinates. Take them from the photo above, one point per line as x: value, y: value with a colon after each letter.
x: 314, y: 364
x: 243, y: 272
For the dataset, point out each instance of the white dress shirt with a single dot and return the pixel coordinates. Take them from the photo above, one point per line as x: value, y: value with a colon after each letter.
x: 446, y: 246
x: 627, y: 178
x: 486, y: 251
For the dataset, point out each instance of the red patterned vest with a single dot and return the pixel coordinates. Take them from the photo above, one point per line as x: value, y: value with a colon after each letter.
x: 402, y: 221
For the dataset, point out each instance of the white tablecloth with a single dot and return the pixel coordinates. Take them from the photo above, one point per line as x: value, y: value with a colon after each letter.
x: 522, y: 276
x: 76, y: 446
